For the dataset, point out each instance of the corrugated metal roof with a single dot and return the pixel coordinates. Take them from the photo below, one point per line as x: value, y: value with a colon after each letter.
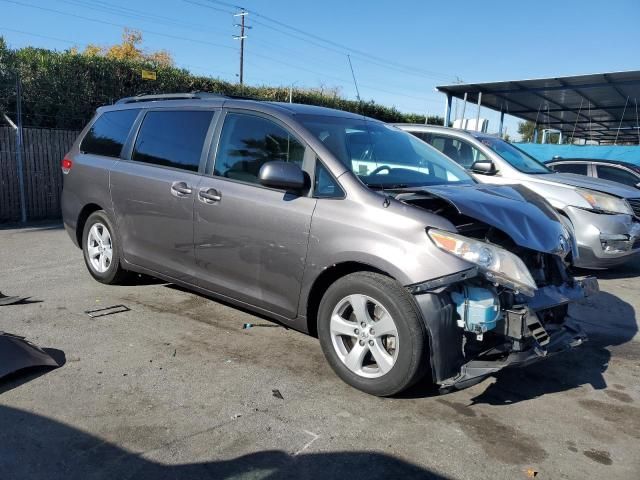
x: 598, y: 106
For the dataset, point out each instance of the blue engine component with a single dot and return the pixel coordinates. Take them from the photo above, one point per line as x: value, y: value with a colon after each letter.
x: 479, y: 309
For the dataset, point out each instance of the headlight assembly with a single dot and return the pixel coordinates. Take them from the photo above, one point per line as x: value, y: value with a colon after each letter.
x: 605, y: 203
x: 497, y: 264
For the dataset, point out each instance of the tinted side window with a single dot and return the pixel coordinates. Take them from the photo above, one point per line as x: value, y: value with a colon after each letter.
x: 617, y: 175
x: 325, y: 186
x: 423, y: 136
x: 109, y: 132
x: 577, y: 168
x: 461, y: 152
x: 172, y: 138
x: 248, y: 142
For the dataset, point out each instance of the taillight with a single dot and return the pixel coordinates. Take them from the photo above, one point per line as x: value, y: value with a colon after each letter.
x: 66, y: 165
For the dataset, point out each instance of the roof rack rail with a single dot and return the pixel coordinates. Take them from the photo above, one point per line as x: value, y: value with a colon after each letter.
x: 171, y: 96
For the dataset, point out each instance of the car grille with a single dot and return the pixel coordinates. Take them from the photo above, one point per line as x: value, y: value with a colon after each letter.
x: 635, y: 205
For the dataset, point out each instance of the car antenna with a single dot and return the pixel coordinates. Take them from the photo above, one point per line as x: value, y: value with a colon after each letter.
x: 354, y: 80
x: 386, y: 202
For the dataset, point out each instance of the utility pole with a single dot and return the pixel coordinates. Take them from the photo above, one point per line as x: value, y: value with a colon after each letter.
x: 242, y: 14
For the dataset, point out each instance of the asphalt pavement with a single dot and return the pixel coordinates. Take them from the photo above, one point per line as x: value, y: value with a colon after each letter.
x: 177, y: 388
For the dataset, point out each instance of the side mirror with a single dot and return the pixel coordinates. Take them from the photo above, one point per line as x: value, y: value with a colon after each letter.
x: 484, y: 167
x: 282, y: 175
x: 638, y: 185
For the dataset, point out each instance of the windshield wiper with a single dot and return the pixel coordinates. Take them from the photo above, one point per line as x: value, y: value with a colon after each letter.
x: 381, y: 186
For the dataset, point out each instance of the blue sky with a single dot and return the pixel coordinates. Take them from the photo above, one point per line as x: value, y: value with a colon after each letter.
x: 416, y: 44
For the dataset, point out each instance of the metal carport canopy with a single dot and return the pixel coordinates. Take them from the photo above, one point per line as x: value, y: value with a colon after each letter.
x: 603, y: 107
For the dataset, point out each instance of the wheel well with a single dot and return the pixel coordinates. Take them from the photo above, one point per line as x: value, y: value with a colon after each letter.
x: 324, y: 281
x: 82, y: 219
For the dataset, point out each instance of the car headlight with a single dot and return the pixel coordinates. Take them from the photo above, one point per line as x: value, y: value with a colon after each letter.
x: 604, y: 202
x: 497, y: 264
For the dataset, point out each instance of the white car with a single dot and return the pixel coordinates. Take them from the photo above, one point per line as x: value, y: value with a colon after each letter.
x: 603, y: 214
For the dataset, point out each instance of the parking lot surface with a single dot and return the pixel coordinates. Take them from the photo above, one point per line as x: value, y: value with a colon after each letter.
x: 177, y: 388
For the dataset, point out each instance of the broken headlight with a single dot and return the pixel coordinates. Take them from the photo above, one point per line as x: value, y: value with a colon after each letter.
x: 498, y: 265
x: 605, y: 203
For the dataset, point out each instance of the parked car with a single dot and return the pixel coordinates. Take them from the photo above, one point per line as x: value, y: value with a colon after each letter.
x: 331, y: 223
x: 612, y: 170
x: 603, y: 214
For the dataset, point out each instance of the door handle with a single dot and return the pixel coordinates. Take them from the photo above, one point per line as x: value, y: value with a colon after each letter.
x: 210, y: 195
x: 180, y: 189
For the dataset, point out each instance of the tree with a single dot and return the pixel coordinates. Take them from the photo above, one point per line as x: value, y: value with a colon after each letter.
x: 525, y: 129
x: 130, y: 49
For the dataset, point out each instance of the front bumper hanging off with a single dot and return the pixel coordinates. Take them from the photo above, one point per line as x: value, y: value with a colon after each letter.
x: 451, y: 371
x: 567, y: 336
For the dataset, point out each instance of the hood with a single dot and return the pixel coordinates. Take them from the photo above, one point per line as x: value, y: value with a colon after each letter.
x: 517, y: 211
x: 582, y: 181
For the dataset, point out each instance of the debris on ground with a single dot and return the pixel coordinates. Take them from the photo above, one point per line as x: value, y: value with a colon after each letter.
x: 103, y: 312
x: 276, y: 393
x: 7, y: 300
x: 246, y: 326
x: 531, y: 473
x: 17, y: 353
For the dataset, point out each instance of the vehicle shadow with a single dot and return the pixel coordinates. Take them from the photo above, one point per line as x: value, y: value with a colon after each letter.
x: 629, y: 269
x: 253, y: 313
x: 33, y: 446
x: 608, y: 321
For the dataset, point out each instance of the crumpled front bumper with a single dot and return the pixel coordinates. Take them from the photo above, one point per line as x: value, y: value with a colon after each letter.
x: 562, y: 337
x: 450, y: 371
x: 569, y: 335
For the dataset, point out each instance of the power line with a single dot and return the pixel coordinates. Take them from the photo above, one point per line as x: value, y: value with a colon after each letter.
x: 343, y: 48
x: 119, y: 25
x: 82, y: 17
x: 120, y: 11
x: 74, y: 43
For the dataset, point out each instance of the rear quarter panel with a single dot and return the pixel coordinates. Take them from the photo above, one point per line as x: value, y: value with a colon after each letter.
x: 86, y: 183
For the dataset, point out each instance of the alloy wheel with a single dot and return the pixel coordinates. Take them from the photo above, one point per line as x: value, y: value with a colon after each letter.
x: 364, y: 336
x: 99, y: 247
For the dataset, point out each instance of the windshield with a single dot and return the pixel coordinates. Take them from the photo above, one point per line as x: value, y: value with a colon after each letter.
x: 383, y: 156
x: 514, y: 156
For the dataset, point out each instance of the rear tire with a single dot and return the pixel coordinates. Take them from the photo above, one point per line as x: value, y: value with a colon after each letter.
x: 101, y: 249
x: 372, y: 334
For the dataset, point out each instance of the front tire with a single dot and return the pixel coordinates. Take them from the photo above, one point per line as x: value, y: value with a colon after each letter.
x: 102, y: 252
x: 372, y: 334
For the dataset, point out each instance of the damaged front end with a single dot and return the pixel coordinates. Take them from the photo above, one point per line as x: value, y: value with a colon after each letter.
x: 510, y: 308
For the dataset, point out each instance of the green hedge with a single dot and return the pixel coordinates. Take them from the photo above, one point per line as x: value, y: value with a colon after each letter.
x: 63, y: 89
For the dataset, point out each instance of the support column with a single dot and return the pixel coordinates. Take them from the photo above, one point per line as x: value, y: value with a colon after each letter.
x: 501, y: 121
x: 447, y: 111
x: 478, y: 113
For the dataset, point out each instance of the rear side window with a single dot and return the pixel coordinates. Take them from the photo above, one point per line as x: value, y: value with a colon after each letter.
x: 248, y: 142
x: 109, y: 133
x: 577, y: 168
x: 424, y: 136
x: 173, y: 138
x: 461, y: 152
x: 616, y: 174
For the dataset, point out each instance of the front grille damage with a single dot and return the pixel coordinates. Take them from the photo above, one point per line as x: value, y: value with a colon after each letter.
x: 497, y: 326
x: 635, y: 206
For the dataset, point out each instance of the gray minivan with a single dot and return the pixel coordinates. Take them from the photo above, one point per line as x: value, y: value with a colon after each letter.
x: 331, y: 223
